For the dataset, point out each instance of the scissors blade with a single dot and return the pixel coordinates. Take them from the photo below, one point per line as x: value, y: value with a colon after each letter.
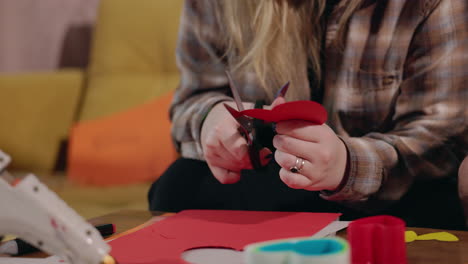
x: 245, y: 122
x: 245, y: 129
x: 235, y: 92
x: 236, y: 114
x: 284, y: 89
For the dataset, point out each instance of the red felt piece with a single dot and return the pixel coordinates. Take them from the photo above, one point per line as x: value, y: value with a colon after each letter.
x: 165, y: 241
x: 295, y: 110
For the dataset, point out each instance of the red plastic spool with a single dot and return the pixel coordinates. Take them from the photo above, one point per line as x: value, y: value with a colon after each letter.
x: 377, y: 240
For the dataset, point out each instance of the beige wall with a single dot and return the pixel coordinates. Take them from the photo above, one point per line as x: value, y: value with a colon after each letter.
x: 42, y: 35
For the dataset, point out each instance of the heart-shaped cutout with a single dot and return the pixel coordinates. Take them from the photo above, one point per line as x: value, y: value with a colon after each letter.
x: 212, y: 255
x: 295, y: 110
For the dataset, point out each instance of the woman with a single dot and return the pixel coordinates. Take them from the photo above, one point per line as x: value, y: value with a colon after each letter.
x: 391, y: 75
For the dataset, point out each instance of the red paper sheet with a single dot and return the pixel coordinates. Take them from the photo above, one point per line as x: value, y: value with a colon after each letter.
x: 164, y: 241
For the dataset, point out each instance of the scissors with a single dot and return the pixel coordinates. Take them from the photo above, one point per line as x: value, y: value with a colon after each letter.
x: 253, y: 130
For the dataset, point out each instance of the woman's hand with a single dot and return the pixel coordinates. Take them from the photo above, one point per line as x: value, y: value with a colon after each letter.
x: 224, y: 148
x: 324, y: 154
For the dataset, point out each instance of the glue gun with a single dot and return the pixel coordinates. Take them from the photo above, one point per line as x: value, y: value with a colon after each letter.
x: 29, y: 210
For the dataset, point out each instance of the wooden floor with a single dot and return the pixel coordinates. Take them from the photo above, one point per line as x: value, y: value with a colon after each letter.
x: 91, y: 202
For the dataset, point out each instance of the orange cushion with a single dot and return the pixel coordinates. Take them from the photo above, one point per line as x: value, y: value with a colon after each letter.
x: 129, y: 147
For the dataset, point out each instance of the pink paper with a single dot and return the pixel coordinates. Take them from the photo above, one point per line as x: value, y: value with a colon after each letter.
x: 165, y: 241
x: 295, y: 110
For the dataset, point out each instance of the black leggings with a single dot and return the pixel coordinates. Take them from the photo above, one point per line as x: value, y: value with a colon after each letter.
x: 189, y: 184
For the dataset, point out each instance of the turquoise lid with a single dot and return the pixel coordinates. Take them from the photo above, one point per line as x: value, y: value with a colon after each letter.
x: 316, y: 247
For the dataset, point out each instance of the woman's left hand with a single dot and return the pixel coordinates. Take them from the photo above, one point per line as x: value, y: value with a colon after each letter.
x: 324, y: 155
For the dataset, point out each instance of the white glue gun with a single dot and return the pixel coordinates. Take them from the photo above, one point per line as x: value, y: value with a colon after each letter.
x: 29, y: 210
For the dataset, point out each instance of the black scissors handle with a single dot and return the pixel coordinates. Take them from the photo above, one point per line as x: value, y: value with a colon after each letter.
x: 251, y: 129
x: 252, y: 147
x: 247, y: 130
x: 262, y: 137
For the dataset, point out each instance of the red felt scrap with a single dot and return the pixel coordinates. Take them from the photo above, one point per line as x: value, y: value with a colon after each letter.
x: 165, y: 241
x: 295, y: 110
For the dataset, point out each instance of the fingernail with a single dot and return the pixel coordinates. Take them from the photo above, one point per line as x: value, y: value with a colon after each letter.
x: 269, y: 156
x: 283, y: 90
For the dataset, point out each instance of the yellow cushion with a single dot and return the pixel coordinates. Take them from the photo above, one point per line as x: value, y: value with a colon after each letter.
x: 110, y: 94
x: 135, y: 37
x: 133, y: 55
x: 36, y: 113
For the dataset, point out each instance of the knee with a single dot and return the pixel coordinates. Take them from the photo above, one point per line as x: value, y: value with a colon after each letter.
x: 463, y: 186
x: 175, y: 188
x: 463, y: 179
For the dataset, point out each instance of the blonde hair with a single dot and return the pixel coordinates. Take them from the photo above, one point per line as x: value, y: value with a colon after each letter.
x: 278, y: 40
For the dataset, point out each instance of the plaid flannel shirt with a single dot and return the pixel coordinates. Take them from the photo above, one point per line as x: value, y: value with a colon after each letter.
x: 396, y: 95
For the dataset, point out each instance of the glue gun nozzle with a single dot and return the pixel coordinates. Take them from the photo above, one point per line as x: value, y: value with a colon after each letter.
x: 108, y: 260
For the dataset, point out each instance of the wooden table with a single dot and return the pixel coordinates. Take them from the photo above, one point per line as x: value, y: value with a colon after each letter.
x: 418, y: 252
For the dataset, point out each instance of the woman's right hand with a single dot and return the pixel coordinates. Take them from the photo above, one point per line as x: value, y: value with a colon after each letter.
x: 225, y: 149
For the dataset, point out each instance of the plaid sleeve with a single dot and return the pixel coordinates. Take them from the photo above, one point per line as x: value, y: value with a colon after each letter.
x: 430, y: 114
x: 203, y: 82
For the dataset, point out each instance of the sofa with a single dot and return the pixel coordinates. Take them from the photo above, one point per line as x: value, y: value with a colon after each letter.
x: 130, y: 65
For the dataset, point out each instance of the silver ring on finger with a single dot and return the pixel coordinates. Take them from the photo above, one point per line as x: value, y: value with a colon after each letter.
x: 298, y: 165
